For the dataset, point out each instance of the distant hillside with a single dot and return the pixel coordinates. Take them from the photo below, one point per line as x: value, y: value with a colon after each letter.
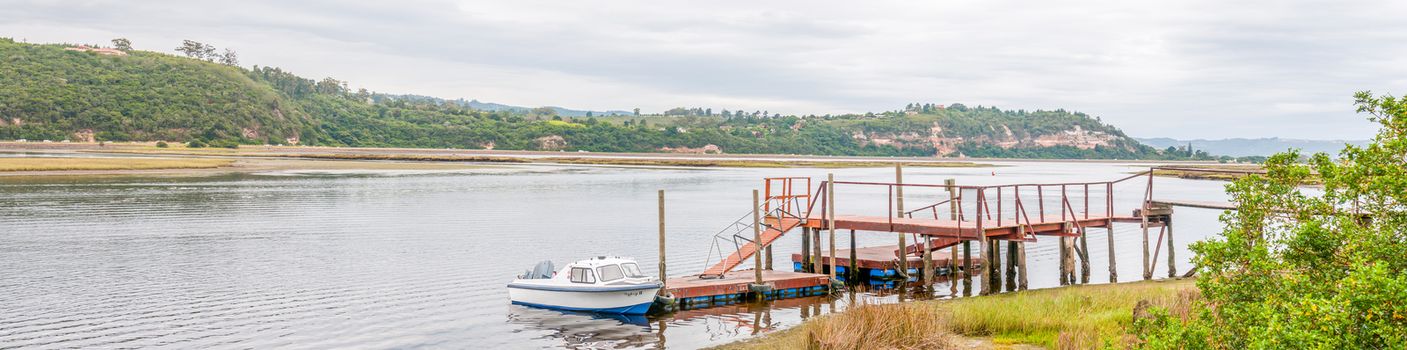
x: 48, y: 92
x: 1240, y: 147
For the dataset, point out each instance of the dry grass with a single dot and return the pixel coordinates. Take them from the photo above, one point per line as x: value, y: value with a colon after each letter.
x: 124, y: 163
x: 1078, y: 317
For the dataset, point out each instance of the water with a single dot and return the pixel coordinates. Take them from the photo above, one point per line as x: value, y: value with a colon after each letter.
x: 416, y: 259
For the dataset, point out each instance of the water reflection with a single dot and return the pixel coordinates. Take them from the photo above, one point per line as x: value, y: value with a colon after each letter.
x: 577, y: 330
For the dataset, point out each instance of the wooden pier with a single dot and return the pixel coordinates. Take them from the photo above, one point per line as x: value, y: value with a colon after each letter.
x: 973, y: 219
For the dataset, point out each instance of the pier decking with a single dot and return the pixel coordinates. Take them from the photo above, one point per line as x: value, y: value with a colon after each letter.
x: 987, y: 215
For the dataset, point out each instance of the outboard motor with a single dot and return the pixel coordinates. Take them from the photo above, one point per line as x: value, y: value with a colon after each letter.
x: 543, y: 270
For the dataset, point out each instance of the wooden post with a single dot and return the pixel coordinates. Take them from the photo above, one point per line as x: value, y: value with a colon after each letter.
x: 949, y: 185
x: 1084, y: 256
x: 903, y: 268
x: 756, y: 239
x: 1147, y: 273
x: 769, y: 257
x: 1011, y: 266
x: 830, y: 224
x: 1109, y: 209
x: 1064, y: 252
x: 966, y: 268
x: 984, y: 287
x: 994, y: 270
x: 927, y: 261
x: 805, y: 249
x: 820, y: 264
x: 662, y: 275
x: 1021, y: 264
x: 1172, y: 262
x: 854, y: 267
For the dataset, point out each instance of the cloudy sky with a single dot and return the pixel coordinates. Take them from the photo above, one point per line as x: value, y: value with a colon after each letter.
x: 1185, y: 69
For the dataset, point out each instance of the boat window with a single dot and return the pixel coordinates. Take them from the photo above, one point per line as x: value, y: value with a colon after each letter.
x: 610, y: 272
x: 632, y: 270
x: 582, y: 275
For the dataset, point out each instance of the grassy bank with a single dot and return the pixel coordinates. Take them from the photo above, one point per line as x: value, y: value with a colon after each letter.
x: 1191, y: 173
x: 123, y: 163
x: 1070, y: 317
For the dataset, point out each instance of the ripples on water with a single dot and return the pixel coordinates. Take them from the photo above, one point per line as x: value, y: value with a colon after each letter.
x: 399, y: 260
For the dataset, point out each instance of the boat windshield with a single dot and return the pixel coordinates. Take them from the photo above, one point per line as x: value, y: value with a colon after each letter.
x: 610, y: 273
x: 632, y: 270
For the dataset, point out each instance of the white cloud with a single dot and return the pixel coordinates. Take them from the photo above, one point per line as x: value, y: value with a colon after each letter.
x: 1198, y: 69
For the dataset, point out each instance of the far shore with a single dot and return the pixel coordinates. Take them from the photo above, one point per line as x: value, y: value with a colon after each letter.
x: 260, y: 158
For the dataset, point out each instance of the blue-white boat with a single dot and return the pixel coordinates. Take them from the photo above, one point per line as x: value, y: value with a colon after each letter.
x: 604, y: 284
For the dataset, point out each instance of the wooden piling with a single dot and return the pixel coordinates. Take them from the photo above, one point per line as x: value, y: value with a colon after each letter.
x: 1172, y: 262
x: 899, y: 212
x: 818, y: 261
x: 1063, y: 253
x: 769, y: 256
x: 949, y: 185
x: 806, y: 249
x: 854, y: 267
x: 1021, y: 264
x: 662, y: 274
x: 994, y: 268
x: 756, y: 238
x: 1147, y: 272
x: 1109, y: 211
x: 966, y: 268
x: 1084, y: 256
x: 1011, y: 266
x: 830, y: 213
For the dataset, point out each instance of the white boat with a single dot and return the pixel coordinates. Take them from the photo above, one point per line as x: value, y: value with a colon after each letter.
x: 604, y: 284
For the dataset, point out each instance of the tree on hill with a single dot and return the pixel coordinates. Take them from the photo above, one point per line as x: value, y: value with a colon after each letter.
x: 122, y: 44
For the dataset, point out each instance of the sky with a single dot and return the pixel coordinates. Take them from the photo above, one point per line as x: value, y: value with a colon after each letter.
x: 1181, y: 69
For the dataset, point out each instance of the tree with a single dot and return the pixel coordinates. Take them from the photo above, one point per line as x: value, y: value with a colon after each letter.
x: 1299, y: 268
x: 637, y: 111
x: 122, y: 44
x: 229, y: 58
x: 192, y: 49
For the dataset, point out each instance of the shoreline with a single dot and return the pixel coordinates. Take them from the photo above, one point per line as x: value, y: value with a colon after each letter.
x: 1037, y: 318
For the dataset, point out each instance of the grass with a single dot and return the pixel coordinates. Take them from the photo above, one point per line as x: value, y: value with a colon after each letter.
x: 1075, y: 317
x: 58, y: 164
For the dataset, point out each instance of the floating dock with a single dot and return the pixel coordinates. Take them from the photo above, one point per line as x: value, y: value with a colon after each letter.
x: 735, y: 286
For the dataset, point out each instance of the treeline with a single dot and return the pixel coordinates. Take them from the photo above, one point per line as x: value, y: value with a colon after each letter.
x: 47, y: 92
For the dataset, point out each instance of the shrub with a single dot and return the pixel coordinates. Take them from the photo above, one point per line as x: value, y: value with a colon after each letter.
x: 196, y: 144
x: 1308, y: 269
x: 161, y: 144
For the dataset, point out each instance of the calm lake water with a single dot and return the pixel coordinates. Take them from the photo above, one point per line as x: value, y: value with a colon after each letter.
x: 417, y: 259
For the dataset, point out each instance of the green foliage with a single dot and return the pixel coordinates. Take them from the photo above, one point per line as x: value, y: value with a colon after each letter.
x: 162, y: 144
x: 49, y: 93
x: 1298, y: 268
x: 196, y: 144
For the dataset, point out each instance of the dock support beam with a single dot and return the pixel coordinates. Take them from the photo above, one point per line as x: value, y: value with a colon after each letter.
x: 756, y: 238
x: 854, y: 267
x: 1063, y: 253
x: 1172, y: 262
x: 769, y: 257
x: 806, y: 249
x: 662, y: 275
x: 966, y: 268
x: 950, y: 186
x: 994, y: 269
x: 1084, y: 256
x: 1147, y: 273
x: 1109, y: 212
x: 903, y: 269
x: 1021, y: 264
x: 818, y: 262
x: 830, y: 213
x: 1011, y: 265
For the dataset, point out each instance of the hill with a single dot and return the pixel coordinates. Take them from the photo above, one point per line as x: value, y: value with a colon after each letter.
x: 1240, y: 147
x: 47, y: 92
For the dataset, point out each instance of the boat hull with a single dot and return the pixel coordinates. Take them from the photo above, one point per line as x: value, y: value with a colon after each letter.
x: 630, y: 300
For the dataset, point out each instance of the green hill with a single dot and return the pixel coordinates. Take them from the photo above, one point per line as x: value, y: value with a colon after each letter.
x: 48, y: 92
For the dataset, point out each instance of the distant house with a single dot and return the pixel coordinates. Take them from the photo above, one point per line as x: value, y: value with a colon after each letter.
x: 100, y: 51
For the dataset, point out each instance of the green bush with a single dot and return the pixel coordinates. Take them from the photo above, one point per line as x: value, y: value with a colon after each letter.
x: 196, y: 144
x: 161, y: 144
x: 1297, y: 268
